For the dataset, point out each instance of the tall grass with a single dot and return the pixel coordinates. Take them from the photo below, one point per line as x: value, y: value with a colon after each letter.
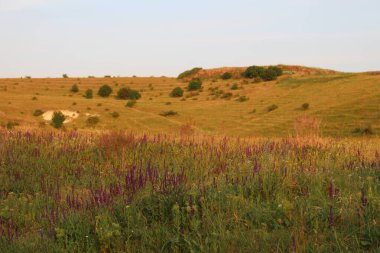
x: 121, y: 192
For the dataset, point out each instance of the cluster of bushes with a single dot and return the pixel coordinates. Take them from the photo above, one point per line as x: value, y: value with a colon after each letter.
x: 188, y: 73
x: 127, y: 93
x: 58, y: 119
x: 267, y: 74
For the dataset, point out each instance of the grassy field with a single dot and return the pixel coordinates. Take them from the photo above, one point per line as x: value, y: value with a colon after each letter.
x: 240, y: 166
x: 341, y: 101
x: 115, y: 192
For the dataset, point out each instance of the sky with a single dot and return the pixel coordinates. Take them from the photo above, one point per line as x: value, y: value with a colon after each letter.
x: 47, y: 38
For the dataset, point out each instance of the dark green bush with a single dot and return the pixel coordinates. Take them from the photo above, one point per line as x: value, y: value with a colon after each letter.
x: 226, y: 76
x: 189, y: 73
x: 65, y: 76
x: 266, y: 74
x: 38, y: 112
x: 177, y: 92
x: 127, y: 93
x: 195, y: 84
x: 272, y: 108
x: 74, y: 88
x: 58, y: 119
x: 88, y: 94
x: 105, y: 91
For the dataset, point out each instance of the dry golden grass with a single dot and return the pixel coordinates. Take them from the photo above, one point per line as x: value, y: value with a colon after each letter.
x: 341, y: 101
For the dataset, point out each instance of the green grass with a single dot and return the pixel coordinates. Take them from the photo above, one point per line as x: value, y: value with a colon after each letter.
x: 119, y: 192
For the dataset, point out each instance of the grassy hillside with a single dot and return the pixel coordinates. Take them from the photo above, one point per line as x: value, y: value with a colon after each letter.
x: 341, y: 101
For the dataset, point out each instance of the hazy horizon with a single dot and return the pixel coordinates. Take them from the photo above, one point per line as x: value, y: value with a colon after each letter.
x: 48, y: 38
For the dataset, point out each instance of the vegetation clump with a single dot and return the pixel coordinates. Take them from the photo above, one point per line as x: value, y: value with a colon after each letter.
x: 226, y: 76
x: 38, y: 113
x: 105, y: 91
x: 131, y: 103
x: 128, y: 93
x: 176, y: 92
x: 235, y: 86
x: 267, y: 74
x: 74, y: 88
x: 305, y: 106
x: 88, y: 94
x: 195, y: 84
x: 92, y: 120
x: 115, y: 115
x: 188, y: 73
x: 364, y: 130
x: 168, y: 113
x: 58, y: 119
x: 272, y: 108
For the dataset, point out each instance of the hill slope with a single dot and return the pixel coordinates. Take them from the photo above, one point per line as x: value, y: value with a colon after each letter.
x: 342, y: 101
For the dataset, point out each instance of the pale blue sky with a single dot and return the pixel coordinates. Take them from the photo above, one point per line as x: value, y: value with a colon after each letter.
x: 164, y: 37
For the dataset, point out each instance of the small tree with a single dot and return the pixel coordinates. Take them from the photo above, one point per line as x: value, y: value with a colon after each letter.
x: 88, y: 94
x: 74, y: 88
x: 195, y: 84
x: 105, y: 91
x: 58, y: 119
x: 127, y: 93
x: 177, y: 92
x: 226, y: 76
x: 65, y: 76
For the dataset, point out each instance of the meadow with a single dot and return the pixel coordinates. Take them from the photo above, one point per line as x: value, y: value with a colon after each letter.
x: 73, y: 191
x: 342, y: 102
x: 237, y: 165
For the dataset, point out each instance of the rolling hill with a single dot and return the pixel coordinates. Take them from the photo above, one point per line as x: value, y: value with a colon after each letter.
x: 343, y: 103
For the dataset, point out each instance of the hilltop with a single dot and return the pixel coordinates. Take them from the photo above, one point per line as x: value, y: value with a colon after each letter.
x: 330, y: 102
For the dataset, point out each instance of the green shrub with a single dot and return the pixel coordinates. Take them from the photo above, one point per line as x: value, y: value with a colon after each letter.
x: 235, y: 86
x: 253, y: 71
x: 38, y: 112
x: 227, y: 95
x: 131, y: 103
x: 242, y: 99
x: 58, y: 119
x: 189, y: 73
x: 105, y: 91
x: 276, y: 69
x: 226, y: 76
x: 177, y: 92
x: 92, y: 120
x: 168, y: 113
x: 74, y: 88
x: 11, y: 124
x: 195, y: 84
x: 127, y: 93
x: 88, y: 94
x: 65, y: 76
x: 272, y: 108
x: 115, y: 115
x: 305, y: 106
